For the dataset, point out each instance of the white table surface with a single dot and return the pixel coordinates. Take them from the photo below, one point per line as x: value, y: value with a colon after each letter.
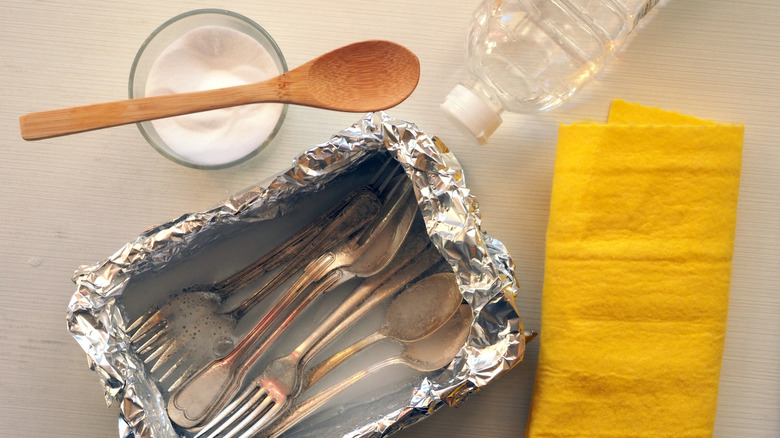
x: 75, y: 200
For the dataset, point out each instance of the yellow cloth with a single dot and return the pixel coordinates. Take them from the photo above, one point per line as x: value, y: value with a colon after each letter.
x: 638, y: 264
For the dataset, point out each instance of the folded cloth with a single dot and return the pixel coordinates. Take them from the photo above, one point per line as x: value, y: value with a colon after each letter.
x: 637, y: 271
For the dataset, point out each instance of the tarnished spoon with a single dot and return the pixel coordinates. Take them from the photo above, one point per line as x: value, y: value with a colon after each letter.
x: 414, y: 314
x: 427, y: 354
x: 361, y: 77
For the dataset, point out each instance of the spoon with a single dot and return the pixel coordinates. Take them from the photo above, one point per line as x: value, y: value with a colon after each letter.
x: 419, y: 310
x: 426, y: 355
x: 360, y: 77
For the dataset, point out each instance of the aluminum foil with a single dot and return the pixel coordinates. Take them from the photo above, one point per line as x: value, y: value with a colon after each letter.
x: 483, y: 268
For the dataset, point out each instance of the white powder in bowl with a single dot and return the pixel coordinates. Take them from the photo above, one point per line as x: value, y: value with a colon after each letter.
x: 205, y: 58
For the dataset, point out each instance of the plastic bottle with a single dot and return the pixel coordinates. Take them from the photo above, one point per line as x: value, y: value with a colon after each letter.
x: 532, y: 55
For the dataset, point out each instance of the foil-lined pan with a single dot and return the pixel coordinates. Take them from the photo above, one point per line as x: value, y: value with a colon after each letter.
x: 97, y: 315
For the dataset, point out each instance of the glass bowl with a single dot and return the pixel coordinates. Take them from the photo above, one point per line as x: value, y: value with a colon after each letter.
x: 206, y: 49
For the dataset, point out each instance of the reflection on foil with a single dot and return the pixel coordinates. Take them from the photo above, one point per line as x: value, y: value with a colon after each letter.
x: 484, y: 270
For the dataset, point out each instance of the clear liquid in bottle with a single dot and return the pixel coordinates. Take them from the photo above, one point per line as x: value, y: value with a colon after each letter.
x: 532, y: 55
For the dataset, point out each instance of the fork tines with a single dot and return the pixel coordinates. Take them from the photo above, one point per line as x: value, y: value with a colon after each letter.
x: 146, y: 328
x: 247, y: 413
x: 148, y: 336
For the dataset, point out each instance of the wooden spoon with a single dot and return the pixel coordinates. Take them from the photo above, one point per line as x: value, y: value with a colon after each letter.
x: 360, y: 77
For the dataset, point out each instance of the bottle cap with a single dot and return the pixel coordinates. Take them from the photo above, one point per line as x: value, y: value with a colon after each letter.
x: 471, y: 113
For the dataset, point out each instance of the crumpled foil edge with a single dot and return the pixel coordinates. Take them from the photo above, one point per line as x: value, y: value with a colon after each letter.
x: 483, y: 268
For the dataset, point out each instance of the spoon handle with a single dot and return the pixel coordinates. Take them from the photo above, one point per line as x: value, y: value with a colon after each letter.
x: 320, y: 370
x: 360, y: 77
x: 413, y: 259
x: 282, y: 254
x: 306, y: 407
x: 425, y: 355
x: 356, y: 211
x: 53, y: 123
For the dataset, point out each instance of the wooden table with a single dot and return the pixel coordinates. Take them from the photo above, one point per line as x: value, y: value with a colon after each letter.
x: 75, y: 200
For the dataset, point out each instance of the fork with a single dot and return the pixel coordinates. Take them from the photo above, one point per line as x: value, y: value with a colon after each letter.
x: 271, y: 393
x: 363, y: 255
x: 153, y: 333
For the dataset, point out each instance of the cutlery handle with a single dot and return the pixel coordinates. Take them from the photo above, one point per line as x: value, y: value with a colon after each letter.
x: 323, y: 368
x: 330, y: 281
x: 280, y: 255
x: 355, y: 211
x: 416, y: 256
x: 353, y: 217
x: 306, y: 407
x: 53, y: 123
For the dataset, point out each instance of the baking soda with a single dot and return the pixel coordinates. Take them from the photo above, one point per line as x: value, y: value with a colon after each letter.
x: 206, y: 58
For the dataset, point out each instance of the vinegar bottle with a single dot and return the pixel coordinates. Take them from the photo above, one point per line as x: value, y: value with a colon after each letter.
x: 532, y: 55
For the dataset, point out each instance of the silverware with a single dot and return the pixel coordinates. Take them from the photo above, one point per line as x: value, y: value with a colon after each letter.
x: 161, y: 334
x: 363, y: 255
x: 158, y: 336
x: 425, y: 355
x: 418, y: 310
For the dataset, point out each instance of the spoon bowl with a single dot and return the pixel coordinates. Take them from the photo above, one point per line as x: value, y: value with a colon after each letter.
x: 438, y: 349
x: 422, y: 308
x: 360, y: 77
